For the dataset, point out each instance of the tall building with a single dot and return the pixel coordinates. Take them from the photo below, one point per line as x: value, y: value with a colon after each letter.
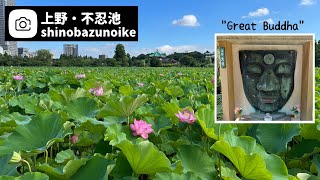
x: 102, y: 56
x: 22, y: 52
x: 9, y: 46
x: 70, y: 49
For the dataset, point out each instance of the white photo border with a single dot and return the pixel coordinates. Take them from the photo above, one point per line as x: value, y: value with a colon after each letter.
x: 261, y: 122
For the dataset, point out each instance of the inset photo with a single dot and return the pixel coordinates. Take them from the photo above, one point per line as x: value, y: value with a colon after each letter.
x: 264, y: 78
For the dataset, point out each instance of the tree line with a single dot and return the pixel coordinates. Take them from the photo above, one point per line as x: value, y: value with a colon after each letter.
x: 120, y: 59
x: 317, y: 53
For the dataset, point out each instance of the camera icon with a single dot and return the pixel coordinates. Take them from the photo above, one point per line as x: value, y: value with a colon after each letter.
x: 23, y: 23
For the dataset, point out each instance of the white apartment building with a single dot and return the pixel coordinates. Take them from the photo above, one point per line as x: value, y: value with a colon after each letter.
x: 9, y: 46
x: 70, y: 49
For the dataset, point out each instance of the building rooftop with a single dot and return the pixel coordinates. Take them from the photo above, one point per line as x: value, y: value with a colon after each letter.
x: 157, y: 54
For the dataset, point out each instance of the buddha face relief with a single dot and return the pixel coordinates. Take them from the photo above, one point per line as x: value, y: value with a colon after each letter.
x: 268, y: 77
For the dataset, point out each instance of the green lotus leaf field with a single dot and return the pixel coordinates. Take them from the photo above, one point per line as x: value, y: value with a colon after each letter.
x: 140, y: 123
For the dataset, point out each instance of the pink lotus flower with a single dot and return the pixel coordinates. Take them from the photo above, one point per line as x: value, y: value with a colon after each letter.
x: 141, y: 128
x: 140, y: 84
x: 18, y: 77
x: 186, y: 116
x: 80, y: 76
x: 74, y: 139
x: 97, y: 91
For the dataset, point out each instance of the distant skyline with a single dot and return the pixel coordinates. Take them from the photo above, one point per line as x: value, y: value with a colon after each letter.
x: 70, y: 49
x: 9, y: 47
x: 178, y: 26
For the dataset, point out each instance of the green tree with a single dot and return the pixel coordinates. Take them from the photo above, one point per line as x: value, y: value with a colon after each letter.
x: 176, y: 56
x: 129, y: 59
x: 317, y: 53
x: 43, y: 58
x: 44, y: 54
x: 198, y: 56
x: 112, y: 62
x: 138, y: 63
x: 142, y: 56
x: 155, y: 62
x: 121, y: 56
x: 187, y: 60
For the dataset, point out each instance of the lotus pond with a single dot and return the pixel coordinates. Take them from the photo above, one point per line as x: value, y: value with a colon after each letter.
x: 138, y: 123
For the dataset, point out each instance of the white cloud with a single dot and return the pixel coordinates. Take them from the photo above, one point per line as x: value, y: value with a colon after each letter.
x: 270, y: 21
x: 137, y: 52
x: 258, y: 13
x: 91, y: 50
x: 307, y: 2
x: 56, y: 52
x: 187, y: 20
x: 95, y: 51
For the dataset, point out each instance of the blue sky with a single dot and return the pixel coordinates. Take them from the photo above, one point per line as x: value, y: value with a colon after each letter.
x: 176, y: 25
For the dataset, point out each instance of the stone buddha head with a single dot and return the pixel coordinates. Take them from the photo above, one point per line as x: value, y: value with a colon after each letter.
x: 268, y: 77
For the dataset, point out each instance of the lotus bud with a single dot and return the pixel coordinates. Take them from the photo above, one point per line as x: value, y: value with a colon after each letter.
x: 74, y: 139
x: 16, y: 158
